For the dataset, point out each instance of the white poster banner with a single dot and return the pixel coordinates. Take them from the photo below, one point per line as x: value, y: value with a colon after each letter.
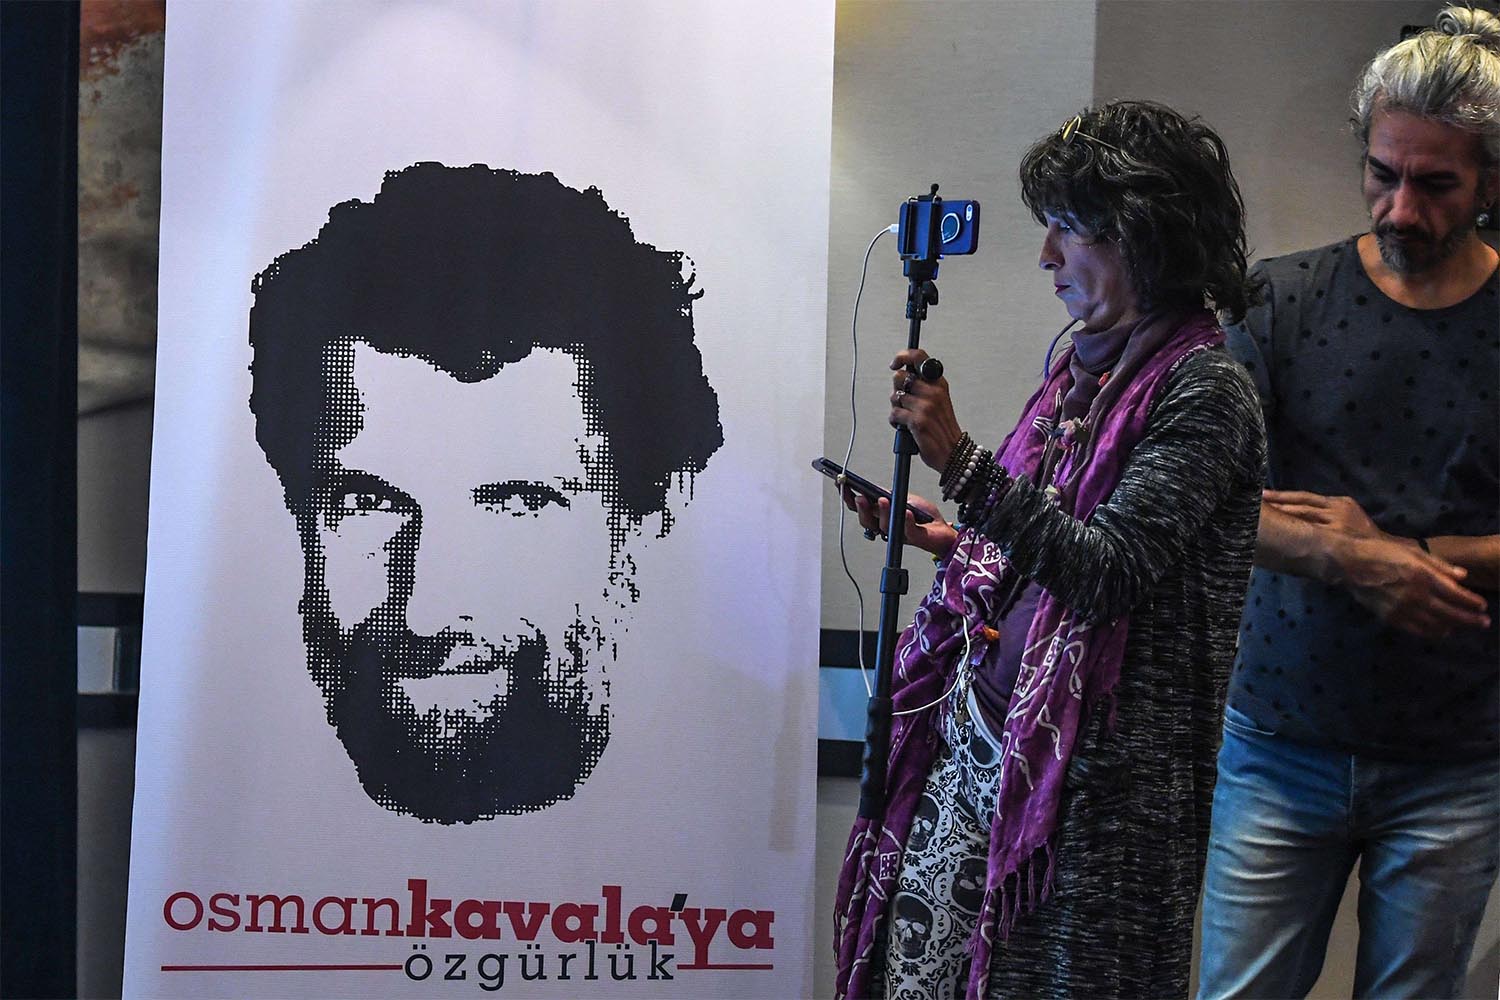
x: 481, y: 606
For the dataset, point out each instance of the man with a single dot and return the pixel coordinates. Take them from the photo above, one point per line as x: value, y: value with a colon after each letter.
x: 1362, y: 712
x: 478, y: 391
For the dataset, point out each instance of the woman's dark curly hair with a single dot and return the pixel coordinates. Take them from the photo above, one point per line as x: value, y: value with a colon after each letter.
x: 1159, y: 186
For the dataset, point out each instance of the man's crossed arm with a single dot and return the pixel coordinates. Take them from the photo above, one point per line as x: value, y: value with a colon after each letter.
x: 1332, y: 539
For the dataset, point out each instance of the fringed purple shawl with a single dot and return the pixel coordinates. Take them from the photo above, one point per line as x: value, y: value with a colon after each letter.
x: 1069, y: 665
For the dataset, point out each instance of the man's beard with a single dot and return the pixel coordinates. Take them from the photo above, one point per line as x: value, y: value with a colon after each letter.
x: 530, y: 744
x: 1413, y: 251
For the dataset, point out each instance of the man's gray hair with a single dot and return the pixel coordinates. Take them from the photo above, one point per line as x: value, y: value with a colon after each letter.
x: 1449, y: 73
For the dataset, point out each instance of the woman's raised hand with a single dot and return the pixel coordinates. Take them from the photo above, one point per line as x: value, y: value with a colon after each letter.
x: 924, y: 408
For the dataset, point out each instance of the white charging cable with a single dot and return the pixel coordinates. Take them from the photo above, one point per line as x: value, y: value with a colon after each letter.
x: 864, y: 271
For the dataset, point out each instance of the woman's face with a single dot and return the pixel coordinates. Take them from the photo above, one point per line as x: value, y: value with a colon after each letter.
x: 1089, y: 275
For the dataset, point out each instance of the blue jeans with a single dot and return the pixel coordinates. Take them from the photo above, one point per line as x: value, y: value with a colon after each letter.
x: 1289, y: 821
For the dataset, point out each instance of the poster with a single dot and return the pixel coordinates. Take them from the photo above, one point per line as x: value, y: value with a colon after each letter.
x: 480, y: 636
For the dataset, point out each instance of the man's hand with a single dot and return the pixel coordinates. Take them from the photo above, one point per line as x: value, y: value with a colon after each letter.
x: 1409, y: 588
x: 1333, y: 540
x: 1339, y: 513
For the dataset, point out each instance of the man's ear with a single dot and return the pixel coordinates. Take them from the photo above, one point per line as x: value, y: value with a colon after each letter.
x: 635, y: 540
x: 658, y: 524
x: 1489, y: 188
x: 306, y: 518
x: 632, y: 533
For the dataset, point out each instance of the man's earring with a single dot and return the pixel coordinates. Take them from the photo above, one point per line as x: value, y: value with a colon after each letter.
x: 1483, y: 220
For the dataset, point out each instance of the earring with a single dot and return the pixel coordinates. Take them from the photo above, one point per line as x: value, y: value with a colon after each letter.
x: 1483, y: 220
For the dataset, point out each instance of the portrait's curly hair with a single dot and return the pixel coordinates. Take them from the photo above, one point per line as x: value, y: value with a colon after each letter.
x: 471, y: 268
x: 1158, y: 185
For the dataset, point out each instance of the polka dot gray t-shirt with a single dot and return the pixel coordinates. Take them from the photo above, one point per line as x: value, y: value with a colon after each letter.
x: 1395, y: 407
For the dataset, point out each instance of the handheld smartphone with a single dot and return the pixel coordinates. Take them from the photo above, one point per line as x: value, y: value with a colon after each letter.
x: 863, y: 486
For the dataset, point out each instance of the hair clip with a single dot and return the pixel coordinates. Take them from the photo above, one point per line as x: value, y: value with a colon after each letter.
x: 1072, y: 127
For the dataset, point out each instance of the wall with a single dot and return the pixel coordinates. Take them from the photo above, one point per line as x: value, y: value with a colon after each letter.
x: 1274, y: 80
x: 951, y: 93
x: 114, y: 465
x: 114, y: 477
x: 106, y: 784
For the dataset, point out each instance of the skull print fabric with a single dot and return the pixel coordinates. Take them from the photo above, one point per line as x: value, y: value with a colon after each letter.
x: 941, y: 887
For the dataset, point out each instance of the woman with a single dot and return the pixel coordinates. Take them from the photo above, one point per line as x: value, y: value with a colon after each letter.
x: 1063, y: 681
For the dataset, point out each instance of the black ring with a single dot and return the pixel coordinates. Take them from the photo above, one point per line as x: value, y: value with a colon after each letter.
x: 870, y: 533
x: 931, y: 370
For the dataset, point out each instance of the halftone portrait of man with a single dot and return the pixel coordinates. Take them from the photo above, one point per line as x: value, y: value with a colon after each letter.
x: 478, y: 391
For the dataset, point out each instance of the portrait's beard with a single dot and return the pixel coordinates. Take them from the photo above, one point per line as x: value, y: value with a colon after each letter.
x: 1414, y: 251
x: 453, y: 728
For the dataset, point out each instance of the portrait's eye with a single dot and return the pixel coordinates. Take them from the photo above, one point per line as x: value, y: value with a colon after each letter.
x: 359, y: 503
x: 519, y: 497
x: 354, y: 493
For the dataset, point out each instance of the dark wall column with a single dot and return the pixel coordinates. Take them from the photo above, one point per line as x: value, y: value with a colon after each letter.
x: 38, y: 502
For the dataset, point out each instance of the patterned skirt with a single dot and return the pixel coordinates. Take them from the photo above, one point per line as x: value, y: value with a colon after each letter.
x: 1119, y: 920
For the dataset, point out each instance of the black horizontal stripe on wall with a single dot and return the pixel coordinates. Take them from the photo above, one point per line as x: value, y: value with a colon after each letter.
x: 105, y: 610
x: 839, y: 647
x: 107, y: 710
x: 839, y: 758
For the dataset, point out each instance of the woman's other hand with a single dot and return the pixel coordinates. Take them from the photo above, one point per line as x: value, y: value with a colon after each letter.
x: 937, y: 536
x: 924, y: 408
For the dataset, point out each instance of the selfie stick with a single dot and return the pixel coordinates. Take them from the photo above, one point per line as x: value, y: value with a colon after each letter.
x: 921, y: 272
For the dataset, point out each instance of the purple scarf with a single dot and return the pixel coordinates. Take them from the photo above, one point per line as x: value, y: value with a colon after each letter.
x: 1069, y: 666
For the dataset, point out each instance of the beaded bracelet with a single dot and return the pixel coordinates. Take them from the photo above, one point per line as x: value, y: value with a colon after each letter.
x: 956, y: 460
x: 988, y: 485
x: 956, y: 485
x: 968, y: 473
